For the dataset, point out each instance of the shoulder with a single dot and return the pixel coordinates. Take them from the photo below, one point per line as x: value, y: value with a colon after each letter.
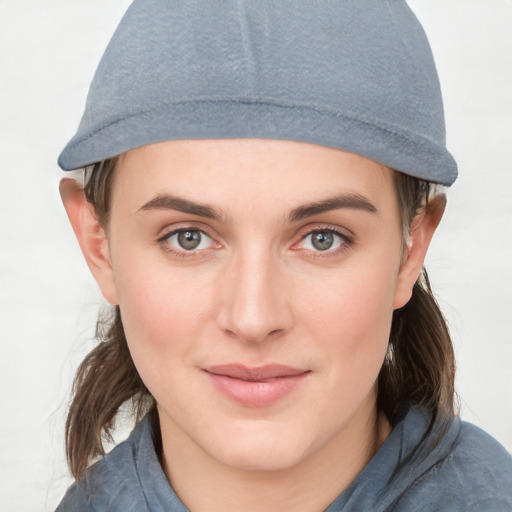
x: 475, y: 474
x: 479, y: 464
x: 112, y: 483
x: 483, y: 469
x: 476, y: 447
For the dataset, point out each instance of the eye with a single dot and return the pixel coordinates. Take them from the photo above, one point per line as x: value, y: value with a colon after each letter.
x: 187, y: 240
x: 323, y: 240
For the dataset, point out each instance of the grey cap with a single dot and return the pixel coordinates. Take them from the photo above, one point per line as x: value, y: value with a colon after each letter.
x: 356, y: 75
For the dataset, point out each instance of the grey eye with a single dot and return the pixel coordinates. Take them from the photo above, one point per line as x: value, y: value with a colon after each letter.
x: 188, y: 240
x: 323, y: 240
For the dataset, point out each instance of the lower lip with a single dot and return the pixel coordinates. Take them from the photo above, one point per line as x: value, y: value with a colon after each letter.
x: 259, y: 393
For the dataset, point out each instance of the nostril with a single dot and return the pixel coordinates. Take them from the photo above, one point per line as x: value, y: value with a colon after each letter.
x: 254, y: 334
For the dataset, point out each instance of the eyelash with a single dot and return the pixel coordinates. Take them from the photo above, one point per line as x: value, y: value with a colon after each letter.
x: 183, y: 253
x: 345, y: 243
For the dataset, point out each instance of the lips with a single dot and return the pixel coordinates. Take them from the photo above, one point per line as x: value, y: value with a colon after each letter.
x: 256, y: 386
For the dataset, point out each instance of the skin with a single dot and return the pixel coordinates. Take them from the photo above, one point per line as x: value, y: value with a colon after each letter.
x: 257, y: 291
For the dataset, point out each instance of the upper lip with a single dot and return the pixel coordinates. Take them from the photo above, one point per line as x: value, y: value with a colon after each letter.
x: 255, y: 373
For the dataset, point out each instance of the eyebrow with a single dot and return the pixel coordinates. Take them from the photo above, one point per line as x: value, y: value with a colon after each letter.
x: 170, y: 202
x: 347, y: 201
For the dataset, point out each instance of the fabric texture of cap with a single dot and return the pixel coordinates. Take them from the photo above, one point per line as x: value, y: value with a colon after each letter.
x: 356, y: 75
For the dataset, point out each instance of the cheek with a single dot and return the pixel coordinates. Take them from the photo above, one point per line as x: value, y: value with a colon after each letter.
x: 351, y: 313
x: 354, y: 298
x: 163, y: 313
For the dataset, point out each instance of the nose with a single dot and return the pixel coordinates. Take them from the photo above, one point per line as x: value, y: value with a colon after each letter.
x: 255, y: 305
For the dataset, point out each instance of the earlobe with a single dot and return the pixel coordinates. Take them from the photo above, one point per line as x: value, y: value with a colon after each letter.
x: 422, y: 231
x: 90, y: 235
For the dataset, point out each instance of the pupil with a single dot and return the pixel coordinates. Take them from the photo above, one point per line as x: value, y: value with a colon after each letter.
x: 322, y: 240
x: 189, y: 239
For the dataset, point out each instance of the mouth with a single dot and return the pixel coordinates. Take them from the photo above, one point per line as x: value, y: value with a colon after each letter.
x: 258, y: 386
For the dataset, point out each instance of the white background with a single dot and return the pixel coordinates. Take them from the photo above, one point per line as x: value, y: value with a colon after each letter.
x: 49, y: 50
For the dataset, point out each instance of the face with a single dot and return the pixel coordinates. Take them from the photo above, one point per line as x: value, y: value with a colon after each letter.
x: 256, y: 281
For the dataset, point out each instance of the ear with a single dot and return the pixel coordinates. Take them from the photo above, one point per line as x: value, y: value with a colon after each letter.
x: 422, y: 231
x: 90, y: 235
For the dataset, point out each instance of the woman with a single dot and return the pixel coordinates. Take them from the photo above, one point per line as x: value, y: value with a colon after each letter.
x: 259, y: 197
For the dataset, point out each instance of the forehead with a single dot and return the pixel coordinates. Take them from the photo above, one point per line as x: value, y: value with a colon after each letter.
x: 248, y: 172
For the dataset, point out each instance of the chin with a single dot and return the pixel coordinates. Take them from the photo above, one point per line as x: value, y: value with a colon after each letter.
x: 262, y: 450
x: 262, y: 460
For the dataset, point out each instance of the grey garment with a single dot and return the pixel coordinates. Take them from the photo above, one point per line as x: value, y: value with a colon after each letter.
x: 465, y: 471
x: 356, y: 75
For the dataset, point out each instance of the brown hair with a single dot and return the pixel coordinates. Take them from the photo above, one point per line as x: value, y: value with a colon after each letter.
x: 419, y: 367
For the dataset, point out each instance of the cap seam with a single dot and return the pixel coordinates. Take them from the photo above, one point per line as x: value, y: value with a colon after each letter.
x: 278, y: 103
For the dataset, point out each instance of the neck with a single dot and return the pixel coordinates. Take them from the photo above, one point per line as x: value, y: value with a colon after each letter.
x: 309, y: 486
